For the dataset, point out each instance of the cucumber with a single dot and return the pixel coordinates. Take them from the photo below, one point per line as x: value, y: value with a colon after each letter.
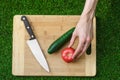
x: 57, y: 44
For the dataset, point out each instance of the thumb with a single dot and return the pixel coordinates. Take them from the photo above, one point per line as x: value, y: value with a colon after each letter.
x: 72, y: 40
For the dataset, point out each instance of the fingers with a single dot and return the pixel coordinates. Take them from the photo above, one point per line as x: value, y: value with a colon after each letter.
x: 72, y: 40
x: 88, y: 41
x: 85, y: 48
x: 79, y: 48
x: 82, y: 47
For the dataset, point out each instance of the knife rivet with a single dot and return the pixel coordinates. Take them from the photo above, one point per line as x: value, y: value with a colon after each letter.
x: 32, y: 36
x: 28, y: 27
x: 23, y: 18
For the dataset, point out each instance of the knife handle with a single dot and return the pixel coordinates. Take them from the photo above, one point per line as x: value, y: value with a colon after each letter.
x: 28, y: 27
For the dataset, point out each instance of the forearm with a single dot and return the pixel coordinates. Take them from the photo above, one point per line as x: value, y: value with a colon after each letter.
x: 89, y: 8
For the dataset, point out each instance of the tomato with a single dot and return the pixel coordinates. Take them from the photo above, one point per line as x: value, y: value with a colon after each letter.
x: 67, y: 54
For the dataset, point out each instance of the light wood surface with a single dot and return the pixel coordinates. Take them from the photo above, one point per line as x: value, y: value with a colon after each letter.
x: 48, y: 28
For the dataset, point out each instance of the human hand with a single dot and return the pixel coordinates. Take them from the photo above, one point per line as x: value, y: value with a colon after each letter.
x: 84, y: 32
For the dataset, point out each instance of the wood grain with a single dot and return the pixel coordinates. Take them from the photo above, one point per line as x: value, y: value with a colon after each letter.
x: 48, y: 28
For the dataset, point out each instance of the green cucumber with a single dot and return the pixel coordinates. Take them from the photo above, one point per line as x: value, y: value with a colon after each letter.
x: 57, y: 44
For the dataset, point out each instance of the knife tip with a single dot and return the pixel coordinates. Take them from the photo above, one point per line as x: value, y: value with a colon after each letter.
x: 48, y: 70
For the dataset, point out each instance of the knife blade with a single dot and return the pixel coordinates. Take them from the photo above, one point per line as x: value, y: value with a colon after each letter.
x: 34, y: 46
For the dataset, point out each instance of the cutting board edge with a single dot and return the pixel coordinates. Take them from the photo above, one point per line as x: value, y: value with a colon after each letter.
x: 92, y: 71
x: 17, y: 70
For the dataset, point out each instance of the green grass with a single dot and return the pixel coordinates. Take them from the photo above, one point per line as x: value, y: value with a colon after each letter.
x: 108, y: 34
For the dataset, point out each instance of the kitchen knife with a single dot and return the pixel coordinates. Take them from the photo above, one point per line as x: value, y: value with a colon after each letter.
x: 34, y: 46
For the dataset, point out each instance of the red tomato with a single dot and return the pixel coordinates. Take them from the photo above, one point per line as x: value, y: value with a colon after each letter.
x: 67, y: 54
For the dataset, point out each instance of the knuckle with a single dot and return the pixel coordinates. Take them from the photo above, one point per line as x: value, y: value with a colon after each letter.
x: 83, y: 40
x: 89, y: 39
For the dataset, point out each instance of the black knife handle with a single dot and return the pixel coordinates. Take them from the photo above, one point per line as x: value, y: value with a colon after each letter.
x: 28, y: 27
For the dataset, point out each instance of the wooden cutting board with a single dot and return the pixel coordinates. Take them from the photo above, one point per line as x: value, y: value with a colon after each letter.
x: 48, y: 28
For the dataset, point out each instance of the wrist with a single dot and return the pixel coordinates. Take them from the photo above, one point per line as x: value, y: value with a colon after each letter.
x: 88, y: 15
